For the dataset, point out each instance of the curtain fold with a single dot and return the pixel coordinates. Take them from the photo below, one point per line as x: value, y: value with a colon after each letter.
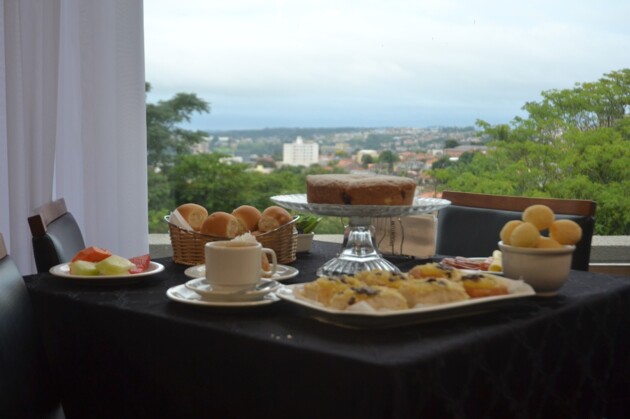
x: 74, y: 120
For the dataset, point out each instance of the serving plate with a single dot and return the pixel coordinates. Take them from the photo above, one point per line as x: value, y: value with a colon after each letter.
x: 282, y: 272
x: 475, y: 271
x: 299, y: 202
x: 381, y: 319
x: 480, y: 270
x: 63, y: 271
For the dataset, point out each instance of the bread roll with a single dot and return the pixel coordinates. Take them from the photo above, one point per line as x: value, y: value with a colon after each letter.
x: 272, y: 218
x: 194, y: 214
x: 221, y: 224
x: 248, y: 216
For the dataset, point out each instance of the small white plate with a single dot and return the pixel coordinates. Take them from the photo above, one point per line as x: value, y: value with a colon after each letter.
x: 63, y: 270
x: 474, y: 271
x: 283, y: 272
x: 182, y: 294
x: 203, y: 288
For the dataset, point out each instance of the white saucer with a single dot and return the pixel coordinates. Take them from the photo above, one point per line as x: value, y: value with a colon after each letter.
x: 182, y: 294
x: 204, y: 289
x: 283, y: 272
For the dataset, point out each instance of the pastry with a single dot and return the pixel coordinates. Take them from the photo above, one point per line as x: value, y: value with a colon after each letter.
x: 378, y: 297
x: 432, y: 291
x: 360, y: 189
x: 435, y: 270
x: 483, y: 285
x: 382, y: 278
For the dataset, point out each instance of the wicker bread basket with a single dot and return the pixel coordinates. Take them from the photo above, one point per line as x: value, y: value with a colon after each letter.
x: 188, y: 246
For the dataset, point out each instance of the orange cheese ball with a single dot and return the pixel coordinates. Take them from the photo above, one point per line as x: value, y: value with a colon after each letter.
x: 547, y: 243
x: 507, y: 229
x: 525, y: 235
x: 565, y: 231
x: 540, y: 215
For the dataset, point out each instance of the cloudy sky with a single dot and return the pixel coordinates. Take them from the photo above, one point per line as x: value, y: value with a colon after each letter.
x: 332, y: 63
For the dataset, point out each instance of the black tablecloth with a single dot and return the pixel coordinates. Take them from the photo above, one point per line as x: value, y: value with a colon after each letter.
x: 128, y: 351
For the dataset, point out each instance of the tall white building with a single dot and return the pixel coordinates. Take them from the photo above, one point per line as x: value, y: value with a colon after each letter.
x: 300, y: 153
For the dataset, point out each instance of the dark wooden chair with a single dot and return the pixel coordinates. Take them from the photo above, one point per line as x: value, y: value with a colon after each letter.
x: 27, y: 389
x: 56, y: 235
x: 470, y: 226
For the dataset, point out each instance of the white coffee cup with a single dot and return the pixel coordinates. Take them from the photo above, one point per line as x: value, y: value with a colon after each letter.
x: 234, y: 265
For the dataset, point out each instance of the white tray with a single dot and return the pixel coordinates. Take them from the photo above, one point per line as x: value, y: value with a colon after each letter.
x: 380, y: 319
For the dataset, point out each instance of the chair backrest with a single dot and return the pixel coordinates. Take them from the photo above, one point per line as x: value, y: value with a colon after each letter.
x: 470, y: 226
x: 26, y: 386
x: 56, y: 235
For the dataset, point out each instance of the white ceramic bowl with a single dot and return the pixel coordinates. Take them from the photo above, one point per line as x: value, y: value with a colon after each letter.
x: 546, y: 270
x: 304, y: 242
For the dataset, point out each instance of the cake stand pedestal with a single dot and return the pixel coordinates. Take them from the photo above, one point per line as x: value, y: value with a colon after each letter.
x: 359, y: 250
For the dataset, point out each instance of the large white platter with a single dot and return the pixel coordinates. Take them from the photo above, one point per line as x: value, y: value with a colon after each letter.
x: 380, y: 319
x: 63, y: 271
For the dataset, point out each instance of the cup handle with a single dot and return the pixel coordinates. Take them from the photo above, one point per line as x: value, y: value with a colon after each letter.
x: 274, y: 261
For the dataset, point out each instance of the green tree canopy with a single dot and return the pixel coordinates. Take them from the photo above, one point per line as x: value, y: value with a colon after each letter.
x: 390, y: 158
x: 366, y: 160
x: 574, y: 144
x: 165, y: 139
x: 450, y: 143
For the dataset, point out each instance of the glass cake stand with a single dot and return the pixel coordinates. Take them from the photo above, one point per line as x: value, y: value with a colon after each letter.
x: 359, y: 251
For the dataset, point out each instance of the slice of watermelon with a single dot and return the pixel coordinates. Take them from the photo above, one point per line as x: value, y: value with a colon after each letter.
x: 92, y: 254
x: 141, y: 262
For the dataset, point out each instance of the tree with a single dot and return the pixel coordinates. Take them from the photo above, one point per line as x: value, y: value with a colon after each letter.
x: 366, y: 160
x: 574, y: 144
x: 161, y: 201
x: 205, y: 180
x: 450, y: 143
x: 165, y: 139
x: 390, y: 158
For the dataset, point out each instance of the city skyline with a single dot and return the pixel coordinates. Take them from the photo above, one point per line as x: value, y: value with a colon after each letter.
x: 376, y: 64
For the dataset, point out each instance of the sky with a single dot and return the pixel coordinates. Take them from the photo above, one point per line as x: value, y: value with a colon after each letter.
x: 388, y: 63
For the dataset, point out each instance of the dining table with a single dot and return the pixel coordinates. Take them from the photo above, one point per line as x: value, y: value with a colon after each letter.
x: 127, y: 350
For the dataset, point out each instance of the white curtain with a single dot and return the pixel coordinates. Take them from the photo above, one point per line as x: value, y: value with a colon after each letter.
x: 72, y: 115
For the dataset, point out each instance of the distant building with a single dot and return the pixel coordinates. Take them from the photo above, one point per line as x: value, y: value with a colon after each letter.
x: 231, y: 160
x: 300, y: 153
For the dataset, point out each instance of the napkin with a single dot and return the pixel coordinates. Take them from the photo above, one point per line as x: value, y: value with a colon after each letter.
x: 177, y: 219
x: 412, y: 235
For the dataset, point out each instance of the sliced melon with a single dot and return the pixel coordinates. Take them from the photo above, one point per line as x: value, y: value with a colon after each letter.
x: 83, y: 267
x: 114, y: 265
